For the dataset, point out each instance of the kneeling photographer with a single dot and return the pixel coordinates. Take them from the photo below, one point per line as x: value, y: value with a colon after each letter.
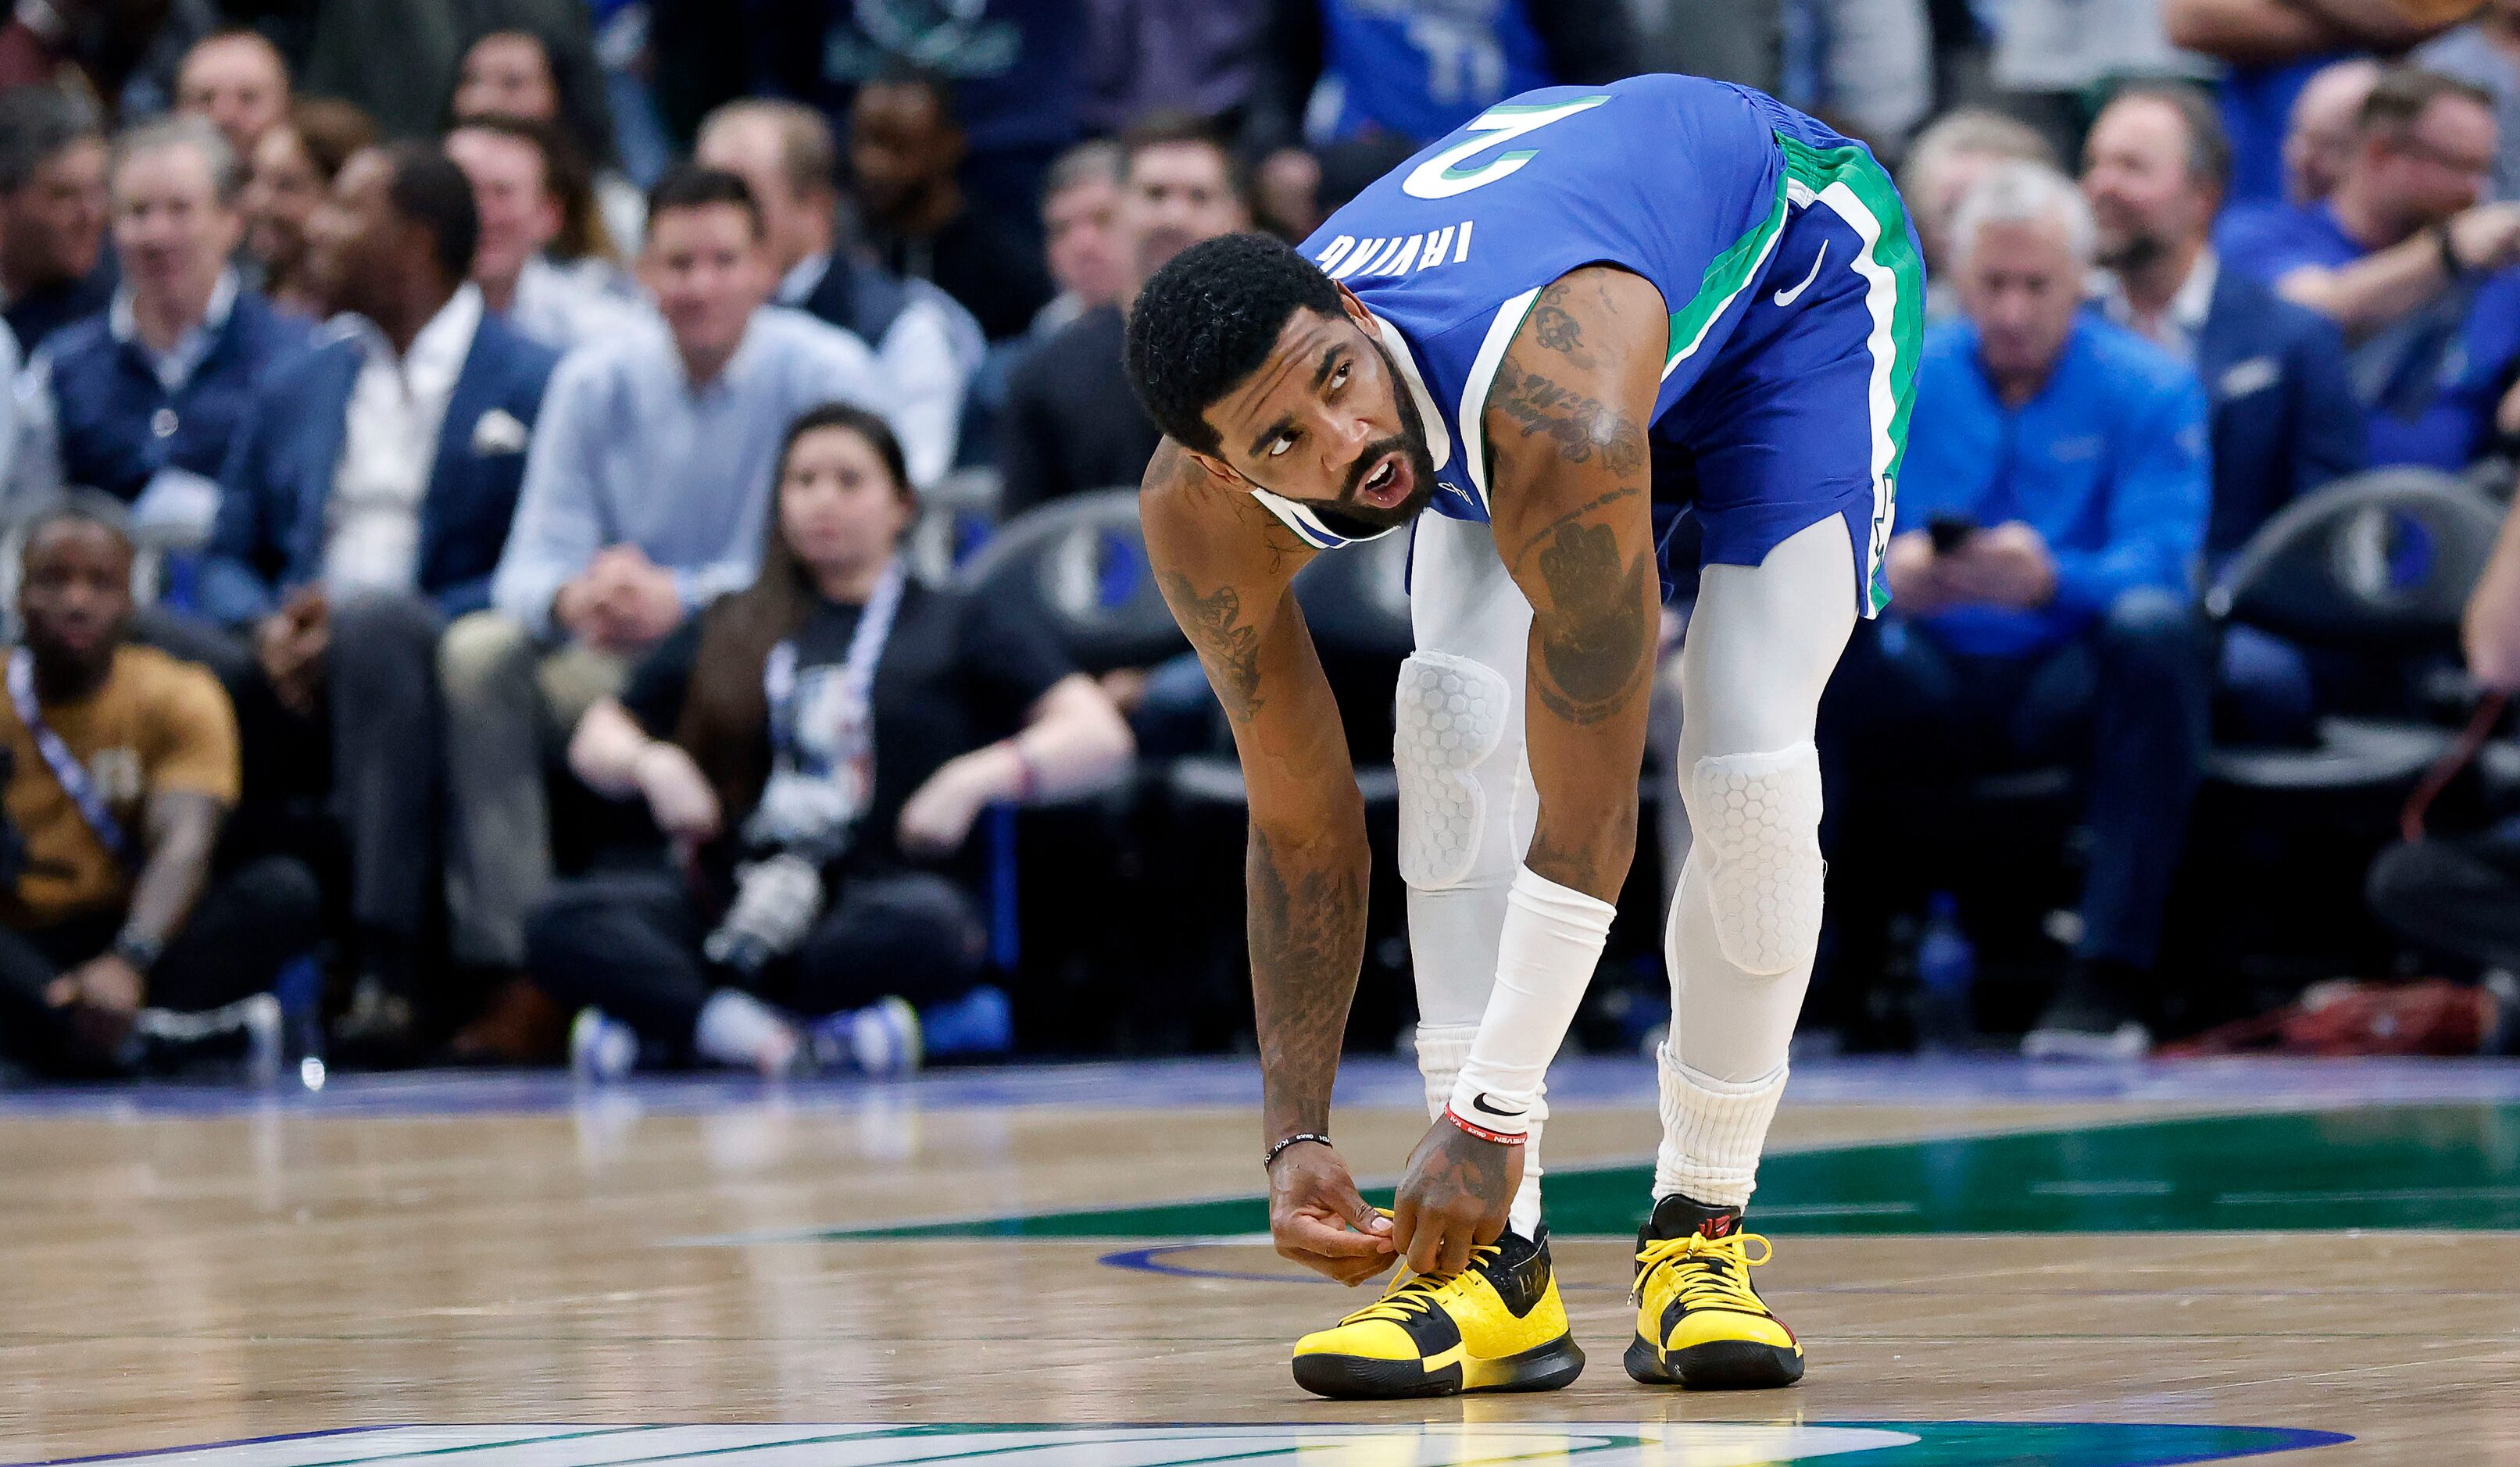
x: 119, y: 764
x: 818, y: 745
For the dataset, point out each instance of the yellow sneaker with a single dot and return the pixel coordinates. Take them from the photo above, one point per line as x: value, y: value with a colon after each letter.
x: 1699, y: 1322
x: 1497, y: 1325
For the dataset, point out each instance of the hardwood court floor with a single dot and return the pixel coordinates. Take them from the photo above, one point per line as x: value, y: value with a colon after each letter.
x: 175, y: 1272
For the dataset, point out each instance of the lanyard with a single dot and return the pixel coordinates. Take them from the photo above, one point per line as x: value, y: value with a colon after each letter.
x: 816, y: 793
x: 857, y: 668
x: 67, y: 772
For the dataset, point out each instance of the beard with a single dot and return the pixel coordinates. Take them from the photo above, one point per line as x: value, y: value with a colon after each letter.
x: 1409, y: 443
x: 2133, y: 250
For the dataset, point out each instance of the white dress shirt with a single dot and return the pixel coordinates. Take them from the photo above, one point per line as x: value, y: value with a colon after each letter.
x: 389, y: 448
x: 928, y: 354
x: 2176, y: 329
x: 562, y: 309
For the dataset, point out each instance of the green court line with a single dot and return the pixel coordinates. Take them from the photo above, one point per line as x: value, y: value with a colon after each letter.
x: 2454, y: 1167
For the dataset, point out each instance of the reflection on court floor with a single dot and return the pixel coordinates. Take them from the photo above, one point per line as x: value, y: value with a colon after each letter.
x: 1602, y: 1444
x: 2211, y: 1261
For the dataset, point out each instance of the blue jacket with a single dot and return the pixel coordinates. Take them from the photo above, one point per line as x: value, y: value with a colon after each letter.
x: 2430, y: 381
x: 2285, y: 419
x: 107, y: 397
x: 279, y: 476
x: 2107, y: 463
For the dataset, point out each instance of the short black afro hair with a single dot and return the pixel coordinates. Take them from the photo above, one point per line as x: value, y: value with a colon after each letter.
x: 1207, y: 320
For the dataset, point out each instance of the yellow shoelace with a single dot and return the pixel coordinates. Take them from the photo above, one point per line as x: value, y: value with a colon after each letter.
x: 1417, y: 1293
x: 1714, y: 1272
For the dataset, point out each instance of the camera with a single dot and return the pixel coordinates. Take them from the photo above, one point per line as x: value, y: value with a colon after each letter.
x: 777, y: 901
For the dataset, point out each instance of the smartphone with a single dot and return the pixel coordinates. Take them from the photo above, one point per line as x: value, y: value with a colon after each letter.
x: 1950, y: 532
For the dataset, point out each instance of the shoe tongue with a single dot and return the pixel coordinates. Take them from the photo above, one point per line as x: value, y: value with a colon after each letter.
x: 1512, y: 1247
x: 1677, y: 1216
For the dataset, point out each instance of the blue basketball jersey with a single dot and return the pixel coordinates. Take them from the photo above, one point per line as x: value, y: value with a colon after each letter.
x: 1681, y: 180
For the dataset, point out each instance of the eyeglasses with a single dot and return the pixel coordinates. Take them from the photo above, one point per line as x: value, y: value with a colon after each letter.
x: 2443, y: 157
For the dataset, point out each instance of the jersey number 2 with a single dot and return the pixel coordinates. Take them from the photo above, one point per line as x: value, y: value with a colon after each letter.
x: 1443, y: 175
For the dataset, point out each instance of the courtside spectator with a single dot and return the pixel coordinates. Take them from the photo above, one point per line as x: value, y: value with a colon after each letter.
x: 143, y: 401
x: 1945, y: 163
x: 2054, y: 500
x: 928, y: 345
x: 2053, y: 57
x: 514, y: 72
x: 1080, y: 235
x: 512, y: 163
x: 1418, y: 68
x: 119, y: 952
x: 2414, y: 270
x: 365, y: 506
x: 2317, y: 143
x: 1072, y: 422
x: 2274, y: 47
x: 2284, y: 418
x: 2485, y: 52
x: 2460, y: 894
x: 53, y: 265
x: 1200, y: 58
x: 2326, y: 122
x: 121, y: 55
x: 236, y: 82
x: 292, y: 171
x: 905, y: 145
x: 1867, y: 66
x: 840, y: 725
x: 643, y: 500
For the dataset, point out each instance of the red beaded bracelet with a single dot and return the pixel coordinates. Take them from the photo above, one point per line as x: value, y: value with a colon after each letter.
x: 1501, y: 1138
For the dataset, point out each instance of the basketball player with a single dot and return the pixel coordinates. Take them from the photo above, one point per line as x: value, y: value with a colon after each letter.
x: 1584, y: 303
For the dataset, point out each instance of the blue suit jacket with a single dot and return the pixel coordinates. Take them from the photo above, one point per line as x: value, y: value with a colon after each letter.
x: 279, y: 479
x: 2284, y: 417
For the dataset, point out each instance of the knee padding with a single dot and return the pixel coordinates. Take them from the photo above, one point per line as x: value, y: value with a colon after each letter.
x: 1449, y: 718
x: 1757, y: 818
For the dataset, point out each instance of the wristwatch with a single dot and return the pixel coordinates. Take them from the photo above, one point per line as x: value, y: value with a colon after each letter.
x: 138, y: 951
x: 2443, y: 240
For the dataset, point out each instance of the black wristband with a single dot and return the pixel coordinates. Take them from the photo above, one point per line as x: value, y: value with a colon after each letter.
x: 1297, y: 1138
x: 2449, y: 248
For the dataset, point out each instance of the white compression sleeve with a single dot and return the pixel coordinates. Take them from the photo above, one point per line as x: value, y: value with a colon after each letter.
x: 1552, y: 941
x: 1442, y: 1050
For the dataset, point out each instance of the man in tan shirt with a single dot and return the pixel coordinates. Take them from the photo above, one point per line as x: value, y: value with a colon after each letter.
x: 117, y: 951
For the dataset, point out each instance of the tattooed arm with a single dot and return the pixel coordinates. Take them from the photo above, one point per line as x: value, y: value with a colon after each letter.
x: 1574, y: 523
x: 1226, y: 568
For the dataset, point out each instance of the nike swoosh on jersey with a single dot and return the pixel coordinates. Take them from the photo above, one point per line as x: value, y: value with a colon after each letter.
x: 1785, y: 298
x: 1480, y: 1102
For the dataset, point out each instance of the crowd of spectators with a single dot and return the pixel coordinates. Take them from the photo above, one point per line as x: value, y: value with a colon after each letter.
x: 458, y: 460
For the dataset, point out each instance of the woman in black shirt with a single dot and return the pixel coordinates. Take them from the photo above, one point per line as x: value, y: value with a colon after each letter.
x: 817, y: 747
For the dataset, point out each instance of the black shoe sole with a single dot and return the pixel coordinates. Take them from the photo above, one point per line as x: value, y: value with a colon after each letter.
x: 1717, y: 1365
x: 1347, y: 1377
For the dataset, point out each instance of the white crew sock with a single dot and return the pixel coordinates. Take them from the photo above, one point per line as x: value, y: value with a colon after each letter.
x: 1712, y: 1133
x: 738, y: 1029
